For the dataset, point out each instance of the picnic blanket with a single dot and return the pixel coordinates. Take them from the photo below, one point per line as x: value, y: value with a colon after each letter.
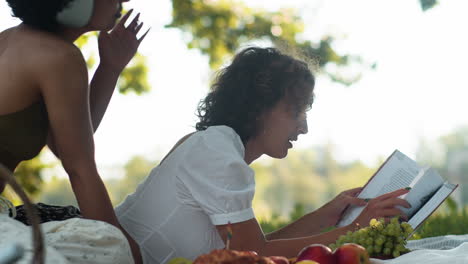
x: 71, y: 241
x: 435, y: 250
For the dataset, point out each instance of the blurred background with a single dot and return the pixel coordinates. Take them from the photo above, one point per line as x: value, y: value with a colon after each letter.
x: 390, y: 75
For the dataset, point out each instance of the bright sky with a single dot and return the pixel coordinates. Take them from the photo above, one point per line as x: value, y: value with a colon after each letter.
x: 417, y: 91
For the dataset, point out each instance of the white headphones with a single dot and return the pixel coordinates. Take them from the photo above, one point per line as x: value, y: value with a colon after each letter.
x: 76, y: 14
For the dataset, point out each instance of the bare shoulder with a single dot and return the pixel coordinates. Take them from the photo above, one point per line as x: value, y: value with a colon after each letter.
x: 58, y: 53
x: 43, y: 50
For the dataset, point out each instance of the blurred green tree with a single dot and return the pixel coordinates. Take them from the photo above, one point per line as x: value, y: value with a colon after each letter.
x: 310, y: 177
x: 449, y: 156
x: 58, y: 191
x: 29, y: 176
x: 428, y: 4
x: 219, y: 28
x: 136, y: 170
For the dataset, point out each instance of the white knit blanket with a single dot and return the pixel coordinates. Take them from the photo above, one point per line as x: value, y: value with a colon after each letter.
x: 435, y: 250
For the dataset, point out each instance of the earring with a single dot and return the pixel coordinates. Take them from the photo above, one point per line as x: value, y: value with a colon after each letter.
x: 76, y: 14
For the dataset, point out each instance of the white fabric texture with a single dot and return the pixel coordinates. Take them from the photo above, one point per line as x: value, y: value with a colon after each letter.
x: 71, y: 241
x: 458, y: 255
x: 440, y: 242
x: 204, y: 182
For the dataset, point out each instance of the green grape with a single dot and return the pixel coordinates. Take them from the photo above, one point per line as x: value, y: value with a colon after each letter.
x: 362, y: 241
x: 387, y: 251
x: 400, y: 248
x: 389, y: 244
x: 406, y: 226
x: 380, y: 228
x: 377, y: 249
x: 397, y: 231
x: 396, y: 253
x: 386, y: 231
x: 380, y: 240
x: 179, y: 260
x: 341, y: 238
x: 370, y: 249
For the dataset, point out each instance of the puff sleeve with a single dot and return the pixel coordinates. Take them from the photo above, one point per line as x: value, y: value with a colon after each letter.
x: 216, y: 178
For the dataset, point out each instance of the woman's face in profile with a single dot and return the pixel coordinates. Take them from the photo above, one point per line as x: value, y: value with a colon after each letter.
x: 280, y: 127
x: 105, y: 14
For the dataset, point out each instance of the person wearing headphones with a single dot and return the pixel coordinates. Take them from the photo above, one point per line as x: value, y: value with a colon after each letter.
x: 45, y: 99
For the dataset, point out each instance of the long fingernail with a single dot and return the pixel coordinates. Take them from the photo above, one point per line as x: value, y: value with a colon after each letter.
x: 408, y: 188
x: 367, y: 200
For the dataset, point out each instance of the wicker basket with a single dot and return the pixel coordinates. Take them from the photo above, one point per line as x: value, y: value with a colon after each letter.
x: 38, y: 239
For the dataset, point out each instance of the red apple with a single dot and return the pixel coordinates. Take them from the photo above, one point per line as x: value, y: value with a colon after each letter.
x: 351, y: 254
x: 317, y: 252
x: 279, y: 259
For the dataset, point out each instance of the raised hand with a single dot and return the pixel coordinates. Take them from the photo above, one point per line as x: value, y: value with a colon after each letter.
x: 117, y: 48
x: 384, y: 206
x: 334, y: 209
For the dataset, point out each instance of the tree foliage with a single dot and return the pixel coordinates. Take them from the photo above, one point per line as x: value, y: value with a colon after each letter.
x: 427, y: 4
x: 219, y: 28
x: 29, y: 175
x: 136, y: 170
x: 449, y: 155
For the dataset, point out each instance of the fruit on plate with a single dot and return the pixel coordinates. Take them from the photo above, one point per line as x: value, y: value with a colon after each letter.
x: 381, y: 239
x: 218, y: 256
x: 351, y: 254
x: 317, y: 252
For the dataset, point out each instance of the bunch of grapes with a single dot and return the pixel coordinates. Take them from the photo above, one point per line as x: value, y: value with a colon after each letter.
x: 380, y: 239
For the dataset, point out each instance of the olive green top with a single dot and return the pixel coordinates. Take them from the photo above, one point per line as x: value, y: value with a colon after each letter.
x: 23, y: 134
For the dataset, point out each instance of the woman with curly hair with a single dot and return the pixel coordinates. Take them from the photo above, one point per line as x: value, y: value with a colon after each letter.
x: 257, y: 105
x: 45, y: 100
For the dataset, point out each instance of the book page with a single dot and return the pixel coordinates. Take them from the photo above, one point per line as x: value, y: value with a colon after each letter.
x: 423, y: 188
x: 432, y: 204
x: 397, y: 172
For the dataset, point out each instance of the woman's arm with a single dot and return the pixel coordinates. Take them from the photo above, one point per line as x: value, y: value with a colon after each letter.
x: 63, y: 80
x: 324, y: 217
x: 301, y: 227
x: 248, y: 236
x: 289, y: 240
x: 116, y: 49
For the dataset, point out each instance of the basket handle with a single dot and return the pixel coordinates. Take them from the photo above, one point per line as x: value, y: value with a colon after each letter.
x: 31, y: 212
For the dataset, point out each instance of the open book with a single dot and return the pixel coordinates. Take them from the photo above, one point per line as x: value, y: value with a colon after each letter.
x: 428, y: 188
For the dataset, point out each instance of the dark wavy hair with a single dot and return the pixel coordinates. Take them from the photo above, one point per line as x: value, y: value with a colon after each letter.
x: 39, y: 14
x: 255, y: 81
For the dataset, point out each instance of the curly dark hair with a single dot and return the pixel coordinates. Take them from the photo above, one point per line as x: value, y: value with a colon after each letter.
x: 40, y: 14
x: 255, y: 81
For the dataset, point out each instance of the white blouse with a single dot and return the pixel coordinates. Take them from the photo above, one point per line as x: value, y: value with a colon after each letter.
x: 204, y: 182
